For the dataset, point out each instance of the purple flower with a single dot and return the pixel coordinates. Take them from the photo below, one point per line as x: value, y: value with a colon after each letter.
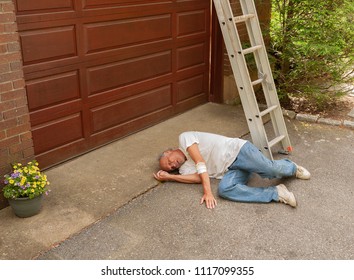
x: 15, y: 175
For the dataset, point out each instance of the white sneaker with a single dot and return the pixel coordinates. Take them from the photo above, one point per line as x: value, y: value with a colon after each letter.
x: 285, y: 196
x: 302, y: 173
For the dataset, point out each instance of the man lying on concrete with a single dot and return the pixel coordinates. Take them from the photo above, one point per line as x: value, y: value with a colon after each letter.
x: 202, y: 155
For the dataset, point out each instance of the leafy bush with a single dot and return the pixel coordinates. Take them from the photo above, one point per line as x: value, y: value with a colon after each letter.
x: 312, y: 43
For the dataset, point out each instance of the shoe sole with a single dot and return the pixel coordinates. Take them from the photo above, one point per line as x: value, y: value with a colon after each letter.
x: 293, y: 199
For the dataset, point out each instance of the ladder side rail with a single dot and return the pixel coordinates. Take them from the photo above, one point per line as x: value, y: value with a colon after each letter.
x: 262, y: 62
x: 239, y: 68
x: 243, y: 80
x: 263, y: 67
x: 261, y: 57
x: 245, y: 88
x: 269, y: 89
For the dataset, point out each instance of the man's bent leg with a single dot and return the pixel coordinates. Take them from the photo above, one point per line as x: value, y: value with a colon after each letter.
x: 233, y: 187
x: 252, y: 160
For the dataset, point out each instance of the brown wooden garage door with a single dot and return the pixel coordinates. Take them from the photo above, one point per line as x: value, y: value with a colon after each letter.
x: 97, y: 70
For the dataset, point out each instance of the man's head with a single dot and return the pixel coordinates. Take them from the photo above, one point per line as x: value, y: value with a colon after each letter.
x: 172, y: 159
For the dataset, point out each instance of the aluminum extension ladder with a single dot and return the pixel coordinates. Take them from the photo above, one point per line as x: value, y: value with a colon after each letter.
x: 228, y: 23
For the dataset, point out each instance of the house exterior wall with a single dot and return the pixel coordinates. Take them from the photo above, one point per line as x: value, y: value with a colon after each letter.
x: 15, y: 130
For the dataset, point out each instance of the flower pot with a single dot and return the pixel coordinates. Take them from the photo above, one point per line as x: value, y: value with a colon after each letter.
x: 24, y: 207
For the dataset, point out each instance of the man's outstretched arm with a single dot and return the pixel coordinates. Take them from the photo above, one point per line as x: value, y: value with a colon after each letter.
x: 208, y: 197
x: 195, y: 178
x: 188, y: 179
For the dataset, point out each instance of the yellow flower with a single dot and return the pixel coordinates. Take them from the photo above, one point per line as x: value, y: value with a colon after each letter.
x: 11, y: 181
x: 32, y: 190
x: 23, y: 181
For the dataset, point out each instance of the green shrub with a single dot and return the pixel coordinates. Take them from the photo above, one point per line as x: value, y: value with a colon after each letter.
x: 312, y: 43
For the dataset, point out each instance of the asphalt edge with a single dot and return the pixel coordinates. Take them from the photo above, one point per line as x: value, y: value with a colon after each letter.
x: 318, y: 119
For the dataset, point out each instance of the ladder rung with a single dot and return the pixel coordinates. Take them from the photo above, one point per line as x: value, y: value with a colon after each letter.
x: 276, y: 140
x: 256, y: 82
x: 268, y: 110
x: 262, y: 77
x: 243, y: 18
x: 251, y: 49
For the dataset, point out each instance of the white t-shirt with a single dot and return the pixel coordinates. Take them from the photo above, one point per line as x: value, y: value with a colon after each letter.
x: 218, y: 151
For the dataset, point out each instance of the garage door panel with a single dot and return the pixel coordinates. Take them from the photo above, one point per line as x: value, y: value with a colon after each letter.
x: 62, y: 153
x: 57, y: 133
x: 55, y: 112
x: 189, y: 103
x: 48, y: 44
x: 190, y: 56
x: 99, y: 36
x: 190, y: 87
x: 129, y: 91
x: 113, y: 3
x: 132, y: 108
x: 52, y: 90
x: 190, y: 23
x: 193, y: 2
x: 44, y: 5
x: 133, y: 125
x: 105, y: 77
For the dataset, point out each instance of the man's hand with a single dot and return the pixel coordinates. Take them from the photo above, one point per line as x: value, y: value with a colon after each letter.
x: 209, y: 200
x: 162, y: 175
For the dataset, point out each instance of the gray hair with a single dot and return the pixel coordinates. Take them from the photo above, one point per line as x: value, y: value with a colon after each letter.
x: 163, y: 154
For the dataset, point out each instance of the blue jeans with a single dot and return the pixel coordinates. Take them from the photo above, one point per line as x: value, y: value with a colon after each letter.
x: 250, y: 160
